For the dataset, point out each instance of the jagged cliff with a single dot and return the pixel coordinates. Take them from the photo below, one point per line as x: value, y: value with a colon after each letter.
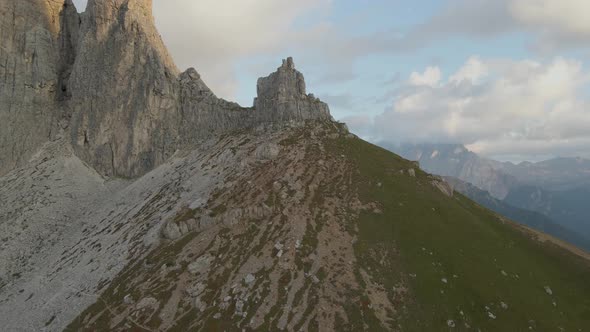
x: 105, y: 79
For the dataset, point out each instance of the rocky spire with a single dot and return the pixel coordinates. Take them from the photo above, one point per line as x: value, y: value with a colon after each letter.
x: 282, y: 94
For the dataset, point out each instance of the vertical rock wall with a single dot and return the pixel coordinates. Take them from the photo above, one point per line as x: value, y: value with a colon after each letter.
x: 33, y: 39
x: 124, y: 89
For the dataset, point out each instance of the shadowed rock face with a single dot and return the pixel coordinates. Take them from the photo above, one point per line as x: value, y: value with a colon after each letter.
x: 106, y: 78
x: 35, y: 36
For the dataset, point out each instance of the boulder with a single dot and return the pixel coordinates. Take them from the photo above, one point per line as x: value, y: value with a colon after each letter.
x: 171, y: 231
x: 267, y: 151
x: 250, y: 278
x: 201, y: 265
x: 444, y: 187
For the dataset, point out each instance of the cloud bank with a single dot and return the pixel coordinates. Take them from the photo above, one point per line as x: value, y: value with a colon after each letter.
x: 495, y: 106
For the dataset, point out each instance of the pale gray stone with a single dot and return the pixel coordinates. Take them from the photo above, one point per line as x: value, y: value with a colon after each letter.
x: 145, y: 303
x: 267, y: 151
x: 548, y: 290
x: 171, y: 231
x: 444, y: 187
x: 201, y: 265
x: 250, y: 278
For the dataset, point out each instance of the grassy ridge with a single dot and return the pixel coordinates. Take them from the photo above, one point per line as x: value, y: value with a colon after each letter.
x: 458, y: 260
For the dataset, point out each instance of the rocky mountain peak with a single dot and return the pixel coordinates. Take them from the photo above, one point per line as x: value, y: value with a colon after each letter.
x: 285, y: 82
x: 108, y: 9
x: 127, y: 19
x: 105, y: 13
x: 284, y: 92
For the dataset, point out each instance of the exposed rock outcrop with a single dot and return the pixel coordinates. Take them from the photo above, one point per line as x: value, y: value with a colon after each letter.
x: 282, y: 95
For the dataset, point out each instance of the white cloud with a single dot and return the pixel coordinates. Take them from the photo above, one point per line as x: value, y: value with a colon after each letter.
x: 519, y: 105
x: 211, y: 35
x: 473, y: 71
x: 561, y: 16
x: 556, y: 23
x: 430, y: 77
x: 550, y: 25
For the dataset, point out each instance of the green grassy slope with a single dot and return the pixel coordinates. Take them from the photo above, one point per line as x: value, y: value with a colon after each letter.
x: 528, y: 218
x: 462, y: 264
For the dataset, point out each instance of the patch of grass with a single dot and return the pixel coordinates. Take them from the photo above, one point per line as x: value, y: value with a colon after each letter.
x: 218, y: 210
x: 290, y: 141
x: 185, y: 214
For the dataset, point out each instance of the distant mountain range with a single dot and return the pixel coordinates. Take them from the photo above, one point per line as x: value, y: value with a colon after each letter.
x: 456, y: 161
x: 549, y: 193
x: 559, y: 174
x: 570, y: 207
x: 526, y: 217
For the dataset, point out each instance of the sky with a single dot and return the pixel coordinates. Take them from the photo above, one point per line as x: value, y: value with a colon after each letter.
x: 510, y: 79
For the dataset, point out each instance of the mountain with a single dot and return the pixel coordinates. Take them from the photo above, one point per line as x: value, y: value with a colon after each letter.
x: 529, y: 218
x: 558, y: 188
x: 496, y: 177
x: 570, y: 206
x: 151, y: 204
x: 558, y: 174
x: 456, y: 161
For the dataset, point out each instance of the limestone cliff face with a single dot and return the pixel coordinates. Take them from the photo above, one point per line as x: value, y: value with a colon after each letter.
x: 124, y: 87
x: 35, y: 38
x: 106, y: 78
